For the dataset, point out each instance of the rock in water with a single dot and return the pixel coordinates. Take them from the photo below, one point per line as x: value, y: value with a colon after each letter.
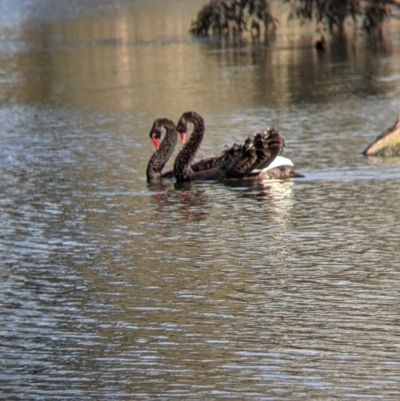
x: 386, y: 144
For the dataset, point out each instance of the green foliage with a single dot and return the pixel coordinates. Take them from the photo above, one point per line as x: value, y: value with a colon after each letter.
x: 330, y: 12
x: 226, y: 17
x: 375, y: 13
x: 333, y: 13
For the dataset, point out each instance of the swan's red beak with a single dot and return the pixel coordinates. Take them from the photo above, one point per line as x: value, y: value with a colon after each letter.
x: 183, y: 136
x: 156, y: 142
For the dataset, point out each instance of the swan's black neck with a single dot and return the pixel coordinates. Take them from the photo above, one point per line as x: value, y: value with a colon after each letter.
x: 160, y: 157
x: 182, y: 169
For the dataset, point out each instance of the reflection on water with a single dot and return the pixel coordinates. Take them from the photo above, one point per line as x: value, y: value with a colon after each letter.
x: 111, y: 288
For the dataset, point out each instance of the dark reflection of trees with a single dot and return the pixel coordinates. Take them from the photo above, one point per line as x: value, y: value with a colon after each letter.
x: 230, y: 52
x: 298, y: 74
x: 339, y: 48
x: 372, y: 69
x: 347, y: 67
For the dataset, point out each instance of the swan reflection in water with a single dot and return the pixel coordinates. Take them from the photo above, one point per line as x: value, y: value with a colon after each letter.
x: 268, y: 209
x: 198, y: 201
x: 191, y: 202
x: 275, y: 197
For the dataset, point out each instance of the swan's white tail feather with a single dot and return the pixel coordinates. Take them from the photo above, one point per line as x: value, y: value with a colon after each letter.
x: 279, y: 161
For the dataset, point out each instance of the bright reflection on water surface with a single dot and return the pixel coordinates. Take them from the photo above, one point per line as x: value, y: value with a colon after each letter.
x: 114, y: 289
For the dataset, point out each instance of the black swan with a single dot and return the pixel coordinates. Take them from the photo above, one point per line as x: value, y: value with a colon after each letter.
x: 164, y: 149
x: 248, y: 161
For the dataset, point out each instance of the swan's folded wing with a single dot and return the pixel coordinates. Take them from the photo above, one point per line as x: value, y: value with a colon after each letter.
x: 268, y: 145
x: 257, y: 152
x: 208, y: 163
x: 238, y: 159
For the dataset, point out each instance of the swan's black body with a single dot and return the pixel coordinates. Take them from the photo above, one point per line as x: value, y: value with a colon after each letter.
x: 236, y: 162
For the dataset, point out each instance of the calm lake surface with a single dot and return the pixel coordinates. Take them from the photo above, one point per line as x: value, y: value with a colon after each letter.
x: 111, y: 289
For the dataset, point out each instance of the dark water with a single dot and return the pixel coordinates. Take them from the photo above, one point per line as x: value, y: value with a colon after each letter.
x: 114, y: 290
